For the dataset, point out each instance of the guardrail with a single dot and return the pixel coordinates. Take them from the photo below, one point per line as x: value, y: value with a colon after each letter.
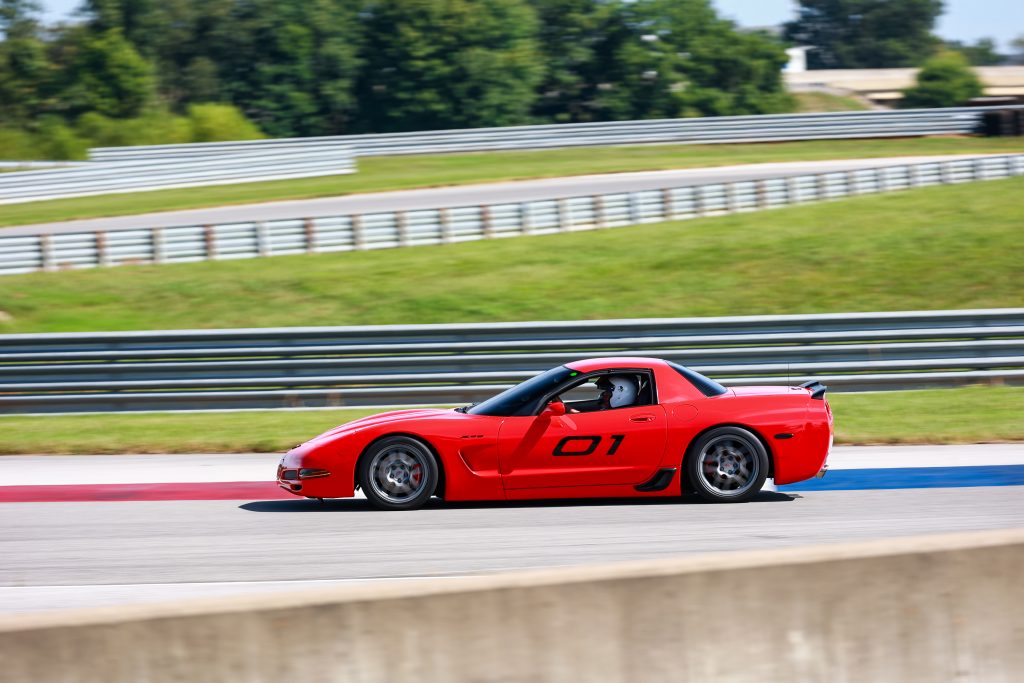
x: 213, y: 168
x: 724, y: 129
x: 439, y: 364
x: 465, y: 223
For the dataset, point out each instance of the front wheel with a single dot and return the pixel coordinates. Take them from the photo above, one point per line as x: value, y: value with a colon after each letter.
x: 398, y: 473
x: 727, y: 465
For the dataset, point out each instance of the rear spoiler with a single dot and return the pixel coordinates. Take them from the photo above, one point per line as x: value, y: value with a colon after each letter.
x: 817, y: 389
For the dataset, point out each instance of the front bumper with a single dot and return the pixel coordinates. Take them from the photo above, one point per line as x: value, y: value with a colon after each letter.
x: 305, y: 481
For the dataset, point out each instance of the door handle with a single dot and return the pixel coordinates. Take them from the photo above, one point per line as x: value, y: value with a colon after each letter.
x: 642, y: 418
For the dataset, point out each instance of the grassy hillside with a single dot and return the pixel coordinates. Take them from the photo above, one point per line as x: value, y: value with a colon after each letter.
x: 935, y: 248
x: 968, y: 415
x: 396, y: 173
x: 808, y: 102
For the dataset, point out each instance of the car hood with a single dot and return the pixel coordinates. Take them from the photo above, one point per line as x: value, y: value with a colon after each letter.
x: 382, y: 418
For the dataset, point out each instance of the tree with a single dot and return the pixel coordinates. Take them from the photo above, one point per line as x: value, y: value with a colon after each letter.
x: 945, y: 81
x: 1018, y: 45
x: 570, y: 34
x: 672, y: 58
x: 434, y: 64
x: 982, y: 53
x: 291, y: 66
x: 865, y: 34
x: 23, y: 66
x: 103, y: 73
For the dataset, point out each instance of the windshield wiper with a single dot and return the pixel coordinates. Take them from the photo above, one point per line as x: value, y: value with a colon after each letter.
x: 465, y: 409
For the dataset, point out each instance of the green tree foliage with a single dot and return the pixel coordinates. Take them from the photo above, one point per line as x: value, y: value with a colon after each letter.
x: 671, y: 58
x: 214, y: 122
x: 291, y: 65
x: 432, y: 64
x: 23, y: 67
x: 103, y: 73
x: 176, y: 70
x: 982, y: 53
x: 571, y: 34
x: 945, y: 80
x: 865, y: 34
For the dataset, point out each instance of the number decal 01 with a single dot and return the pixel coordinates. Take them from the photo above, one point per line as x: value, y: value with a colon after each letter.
x: 592, y: 444
x: 592, y: 441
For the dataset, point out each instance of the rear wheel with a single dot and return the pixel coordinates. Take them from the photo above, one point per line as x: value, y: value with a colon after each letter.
x: 727, y: 465
x: 398, y: 473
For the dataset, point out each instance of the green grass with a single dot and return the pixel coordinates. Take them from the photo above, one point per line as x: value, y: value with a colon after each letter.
x: 808, y: 102
x: 396, y: 173
x: 968, y: 415
x: 936, y: 248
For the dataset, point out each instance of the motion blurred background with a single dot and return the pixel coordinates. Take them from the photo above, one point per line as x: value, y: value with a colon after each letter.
x: 120, y: 72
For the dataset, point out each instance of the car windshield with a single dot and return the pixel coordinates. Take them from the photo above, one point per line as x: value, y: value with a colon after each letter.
x: 519, y: 399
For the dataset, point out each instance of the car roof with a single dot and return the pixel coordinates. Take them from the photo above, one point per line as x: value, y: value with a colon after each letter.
x: 593, y: 364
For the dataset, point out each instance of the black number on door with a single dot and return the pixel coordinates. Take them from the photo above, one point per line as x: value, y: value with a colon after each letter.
x: 566, y: 447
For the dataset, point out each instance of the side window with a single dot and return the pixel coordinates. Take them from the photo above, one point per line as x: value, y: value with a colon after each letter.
x: 609, y: 390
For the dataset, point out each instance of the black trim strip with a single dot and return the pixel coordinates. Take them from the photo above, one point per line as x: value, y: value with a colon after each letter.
x: 659, y: 482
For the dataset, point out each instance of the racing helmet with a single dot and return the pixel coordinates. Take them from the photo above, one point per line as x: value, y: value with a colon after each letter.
x: 623, y: 391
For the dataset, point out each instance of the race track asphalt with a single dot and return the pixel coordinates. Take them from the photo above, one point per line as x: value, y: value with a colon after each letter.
x: 467, y: 195
x: 95, y: 553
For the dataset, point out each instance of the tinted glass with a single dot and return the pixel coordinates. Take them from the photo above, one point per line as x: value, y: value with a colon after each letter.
x: 520, y: 398
x: 707, y: 386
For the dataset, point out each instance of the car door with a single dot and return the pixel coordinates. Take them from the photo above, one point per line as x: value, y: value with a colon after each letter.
x: 610, y: 447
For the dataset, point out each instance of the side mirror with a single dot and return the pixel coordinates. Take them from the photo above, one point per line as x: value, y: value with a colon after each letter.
x: 554, y: 409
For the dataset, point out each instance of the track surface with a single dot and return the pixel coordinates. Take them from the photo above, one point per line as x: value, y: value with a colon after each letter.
x: 93, y: 553
x: 468, y: 195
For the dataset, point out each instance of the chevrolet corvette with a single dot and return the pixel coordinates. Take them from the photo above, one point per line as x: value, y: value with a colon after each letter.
x: 603, y: 427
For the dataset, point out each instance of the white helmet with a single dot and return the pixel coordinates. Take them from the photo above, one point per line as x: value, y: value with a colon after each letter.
x: 623, y: 391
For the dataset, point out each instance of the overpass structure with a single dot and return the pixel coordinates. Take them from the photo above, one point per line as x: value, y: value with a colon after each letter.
x: 885, y: 86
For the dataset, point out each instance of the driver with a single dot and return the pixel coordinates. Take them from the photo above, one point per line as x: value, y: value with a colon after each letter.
x: 622, y: 392
x: 617, y: 391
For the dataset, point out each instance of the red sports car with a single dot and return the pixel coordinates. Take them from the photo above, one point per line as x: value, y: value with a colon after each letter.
x: 604, y: 427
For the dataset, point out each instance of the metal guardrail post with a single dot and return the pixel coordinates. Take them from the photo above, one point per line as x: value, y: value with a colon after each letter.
x: 262, y: 239
x: 100, y: 240
x: 730, y: 197
x: 445, y: 220
x: 309, y: 225
x: 402, y: 228
x: 564, y: 215
x: 358, y: 236
x: 210, y: 240
x: 634, y: 207
x: 946, y: 172
x: 820, y: 187
x: 762, y: 194
x: 698, y: 201
x: 667, y: 211
x: 485, y: 220
x: 46, y: 252
x: 156, y: 244
x: 792, y: 191
x: 851, y: 183
x: 600, y: 217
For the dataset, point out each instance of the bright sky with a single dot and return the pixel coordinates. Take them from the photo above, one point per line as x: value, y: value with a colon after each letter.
x: 965, y: 20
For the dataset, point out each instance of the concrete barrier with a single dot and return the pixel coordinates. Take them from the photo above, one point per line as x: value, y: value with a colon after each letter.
x: 929, y: 609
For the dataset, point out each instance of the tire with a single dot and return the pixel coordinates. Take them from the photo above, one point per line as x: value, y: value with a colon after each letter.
x: 398, y: 473
x: 727, y: 465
